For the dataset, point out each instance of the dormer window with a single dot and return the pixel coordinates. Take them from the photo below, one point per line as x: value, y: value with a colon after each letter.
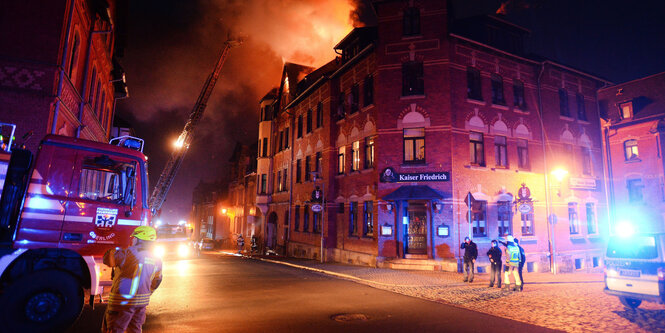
x: 626, y: 110
x: 411, y: 21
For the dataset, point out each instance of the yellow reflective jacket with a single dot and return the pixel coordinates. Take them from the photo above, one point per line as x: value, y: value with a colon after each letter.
x: 138, y: 273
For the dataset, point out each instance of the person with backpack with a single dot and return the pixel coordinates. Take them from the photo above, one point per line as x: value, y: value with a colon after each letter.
x: 513, y: 256
x: 494, y: 255
x: 522, y: 261
x: 470, y: 256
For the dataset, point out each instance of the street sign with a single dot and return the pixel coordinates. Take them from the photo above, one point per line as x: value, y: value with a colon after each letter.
x: 317, y: 208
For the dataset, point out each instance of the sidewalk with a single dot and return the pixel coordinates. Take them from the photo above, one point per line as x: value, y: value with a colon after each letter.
x: 571, y: 302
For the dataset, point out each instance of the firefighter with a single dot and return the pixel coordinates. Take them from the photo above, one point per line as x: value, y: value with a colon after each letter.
x: 137, y: 273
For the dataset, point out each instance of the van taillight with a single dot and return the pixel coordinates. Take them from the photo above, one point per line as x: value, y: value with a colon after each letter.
x: 661, y: 274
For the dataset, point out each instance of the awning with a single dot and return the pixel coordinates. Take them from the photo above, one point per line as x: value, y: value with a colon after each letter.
x: 413, y: 192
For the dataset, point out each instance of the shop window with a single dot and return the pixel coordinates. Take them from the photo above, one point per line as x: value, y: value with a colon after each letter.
x: 411, y: 21
x: 414, y: 145
x: 476, y: 148
x: 305, y: 220
x: 473, y: 84
x: 497, y: 90
x: 353, y: 218
x: 501, y: 151
x: 504, y: 218
x: 518, y: 94
x: 340, y: 161
x: 368, y: 91
x: 573, y: 218
x: 591, y: 224
x: 563, y: 103
x: 319, y: 115
x: 298, y: 170
x: 527, y: 224
x: 308, y: 171
x: 369, y: 152
x: 368, y: 220
x: 587, y: 165
x: 309, y: 121
x: 630, y: 150
x: 296, y: 218
x: 581, y: 108
x: 479, y: 216
x: 522, y: 154
x: 412, y: 78
x: 355, y: 156
x: 635, y: 190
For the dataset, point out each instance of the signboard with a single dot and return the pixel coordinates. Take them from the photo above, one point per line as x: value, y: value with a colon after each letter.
x: 317, y: 208
x: 388, y: 175
x: 386, y: 230
x: 443, y: 231
x: 524, y: 208
x: 583, y: 183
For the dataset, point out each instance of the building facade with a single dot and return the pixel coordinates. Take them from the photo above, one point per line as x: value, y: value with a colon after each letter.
x: 425, y: 131
x: 241, y: 210
x: 64, y: 78
x: 633, y: 128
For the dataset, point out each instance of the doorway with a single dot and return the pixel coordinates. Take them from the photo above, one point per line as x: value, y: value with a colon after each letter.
x: 416, y: 231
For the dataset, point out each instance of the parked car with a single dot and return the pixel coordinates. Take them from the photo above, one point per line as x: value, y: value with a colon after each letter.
x: 206, y: 244
x: 635, y: 268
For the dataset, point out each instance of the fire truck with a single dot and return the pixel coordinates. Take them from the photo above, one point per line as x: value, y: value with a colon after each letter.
x: 59, y: 213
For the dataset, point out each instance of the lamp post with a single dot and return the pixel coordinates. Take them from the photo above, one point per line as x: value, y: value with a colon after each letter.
x: 315, y: 177
x: 559, y: 174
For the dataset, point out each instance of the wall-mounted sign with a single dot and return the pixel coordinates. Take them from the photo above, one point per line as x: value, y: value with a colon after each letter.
x: 524, y: 208
x: 388, y: 175
x: 317, y: 208
x: 443, y: 231
x: 582, y: 183
x: 386, y: 230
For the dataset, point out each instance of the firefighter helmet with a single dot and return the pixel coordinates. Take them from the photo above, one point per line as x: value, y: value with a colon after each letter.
x: 145, y: 232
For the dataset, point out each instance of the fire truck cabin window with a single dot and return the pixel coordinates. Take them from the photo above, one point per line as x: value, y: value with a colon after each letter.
x: 106, y: 180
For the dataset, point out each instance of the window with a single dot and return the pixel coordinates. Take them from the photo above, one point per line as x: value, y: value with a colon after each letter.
x: 626, y: 110
x: 522, y: 154
x: 479, y: 216
x: 527, y: 223
x: 591, y: 225
x: 286, y: 138
x: 635, y: 190
x: 353, y: 216
x: 341, y: 111
x: 411, y: 21
x: 355, y: 156
x: 100, y: 183
x: 305, y: 222
x: 501, y: 151
x: 630, y: 150
x: 319, y: 115
x: 563, y: 103
x: 308, y: 169
x: 581, y: 109
x: 279, y: 181
x: 91, y: 90
x: 340, y: 208
x: 412, y: 78
x: 573, y: 218
x: 298, y: 170
x: 264, y: 184
x: 414, y: 145
x: 518, y: 94
x: 316, y: 221
x: 309, y: 121
x: 284, y: 179
x: 369, y: 152
x: 353, y: 98
x: 319, y: 162
x: 476, y: 148
x: 497, y: 90
x: 473, y: 86
x: 281, y: 140
x: 73, y: 61
x: 368, y: 91
x: 587, y: 165
x: 368, y: 218
x: 299, y: 126
x: 340, y: 161
x: 503, y: 218
x: 296, y: 222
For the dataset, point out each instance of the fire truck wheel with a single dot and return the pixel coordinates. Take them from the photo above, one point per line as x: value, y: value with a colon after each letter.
x: 43, y: 301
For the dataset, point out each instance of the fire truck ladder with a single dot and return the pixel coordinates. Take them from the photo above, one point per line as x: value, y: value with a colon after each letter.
x: 182, y: 144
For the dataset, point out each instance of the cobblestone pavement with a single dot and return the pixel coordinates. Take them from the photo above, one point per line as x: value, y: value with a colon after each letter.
x: 570, y: 302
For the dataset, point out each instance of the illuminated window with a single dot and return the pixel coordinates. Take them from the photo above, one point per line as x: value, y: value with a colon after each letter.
x: 563, y: 103
x: 635, y: 190
x: 353, y: 218
x: 369, y: 152
x: 473, y: 85
x: 355, y: 156
x: 592, y: 227
x: 412, y: 78
x: 573, y: 218
x: 630, y: 150
x: 581, y: 108
x: 476, y: 148
x: 626, y: 110
x: 479, y: 216
x: 504, y: 218
x: 522, y: 154
x: 527, y: 223
x: 414, y: 145
x: 497, y: 90
x: 411, y: 21
x: 518, y: 94
x: 279, y: 181
x: 368, y: 225
x: 340, y: 161
x: 501, y: 151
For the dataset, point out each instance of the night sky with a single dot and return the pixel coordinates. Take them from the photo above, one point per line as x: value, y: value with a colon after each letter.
x: 173, y: 45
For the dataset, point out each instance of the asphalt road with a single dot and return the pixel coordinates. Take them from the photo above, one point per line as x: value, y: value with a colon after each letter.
x: 229, y: 294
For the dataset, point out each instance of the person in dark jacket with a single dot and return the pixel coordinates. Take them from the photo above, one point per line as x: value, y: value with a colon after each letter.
x: 494, y: 255
x: 470, y: 256
x: 522, y: 261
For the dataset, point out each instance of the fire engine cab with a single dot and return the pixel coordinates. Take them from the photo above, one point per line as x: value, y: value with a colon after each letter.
x: 59, y: 213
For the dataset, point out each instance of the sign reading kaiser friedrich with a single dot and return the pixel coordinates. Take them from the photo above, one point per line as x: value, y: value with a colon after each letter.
x: 388, y: 175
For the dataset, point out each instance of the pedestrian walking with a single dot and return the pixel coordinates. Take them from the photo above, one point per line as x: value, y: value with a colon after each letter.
x: 470, y: 256
x: 241, y: 243
x: 522, y: 261
x: 512, y: 253
x: 136, y: 275
x: 494, y: 254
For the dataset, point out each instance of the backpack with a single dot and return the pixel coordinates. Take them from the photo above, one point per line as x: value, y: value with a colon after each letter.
x: 514, y: 254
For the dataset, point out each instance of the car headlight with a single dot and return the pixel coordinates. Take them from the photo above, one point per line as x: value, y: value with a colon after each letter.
x: 159, y: 251
x: 183, y: 250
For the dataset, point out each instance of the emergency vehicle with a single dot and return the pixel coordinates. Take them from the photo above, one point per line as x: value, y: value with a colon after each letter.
x: 59, y: 213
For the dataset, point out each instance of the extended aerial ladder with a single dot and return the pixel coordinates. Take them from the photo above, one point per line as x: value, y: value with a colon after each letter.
x: 182, y: 144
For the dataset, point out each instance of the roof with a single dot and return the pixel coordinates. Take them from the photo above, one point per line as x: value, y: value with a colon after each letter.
x: 646, y: 95
x: 414, y: 192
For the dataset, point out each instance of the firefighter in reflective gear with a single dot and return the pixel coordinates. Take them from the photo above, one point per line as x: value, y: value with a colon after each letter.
x: 137, y: 273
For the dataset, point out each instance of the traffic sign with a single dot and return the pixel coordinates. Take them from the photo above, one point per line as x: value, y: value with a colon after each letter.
x: 317, y: 208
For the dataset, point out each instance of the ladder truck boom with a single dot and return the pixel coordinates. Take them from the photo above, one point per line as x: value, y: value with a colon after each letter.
x: 182, y: 144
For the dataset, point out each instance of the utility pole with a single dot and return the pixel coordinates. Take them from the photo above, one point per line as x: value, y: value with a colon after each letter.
x: 323, y: 208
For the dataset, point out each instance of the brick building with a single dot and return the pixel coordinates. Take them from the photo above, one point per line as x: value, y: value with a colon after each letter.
x: 58, y: 67
x: 241, y: 209
x: 422, y: 125
x: 634, y: 125
x: 207, y: 219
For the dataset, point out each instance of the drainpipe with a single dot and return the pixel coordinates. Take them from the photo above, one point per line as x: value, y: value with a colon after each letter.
x: 63, y: 64
x: 548, y: 200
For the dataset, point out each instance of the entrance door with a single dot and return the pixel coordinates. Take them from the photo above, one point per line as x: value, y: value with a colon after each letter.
x: 417, y: 228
